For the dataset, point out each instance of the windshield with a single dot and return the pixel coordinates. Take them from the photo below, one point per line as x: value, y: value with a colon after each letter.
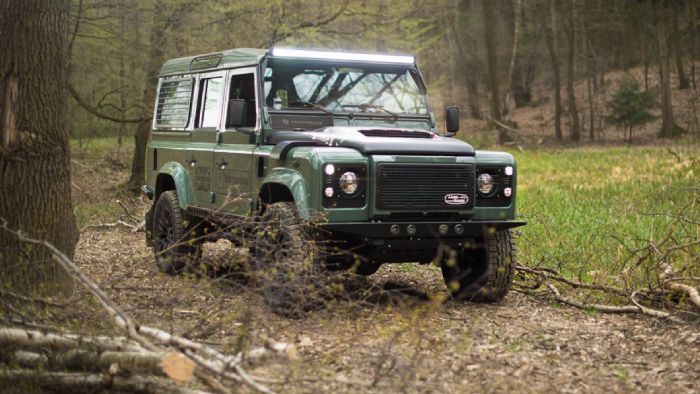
x: 352, y: 89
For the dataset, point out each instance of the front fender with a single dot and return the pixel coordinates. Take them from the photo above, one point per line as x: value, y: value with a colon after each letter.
x: 181, y: 178
x: 295, y: 183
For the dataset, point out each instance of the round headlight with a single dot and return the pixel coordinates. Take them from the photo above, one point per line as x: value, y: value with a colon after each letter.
x: 328, y: 192
x: 508, y: 171
x: 329, y: 169
x: 485, y: 184
x: 348, y: 183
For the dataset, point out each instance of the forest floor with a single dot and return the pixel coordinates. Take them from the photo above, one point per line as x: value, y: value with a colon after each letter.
x: 393, y: 333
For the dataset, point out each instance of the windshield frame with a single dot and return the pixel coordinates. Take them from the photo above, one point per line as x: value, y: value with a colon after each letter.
x: 411, y: 69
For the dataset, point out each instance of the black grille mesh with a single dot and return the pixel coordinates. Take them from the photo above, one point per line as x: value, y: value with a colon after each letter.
x: 420, y: 186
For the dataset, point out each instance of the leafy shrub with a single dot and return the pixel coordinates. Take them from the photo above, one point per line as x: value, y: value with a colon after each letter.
x: 629, y: 106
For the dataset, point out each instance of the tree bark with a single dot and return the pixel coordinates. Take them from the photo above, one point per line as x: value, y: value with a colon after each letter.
x: 156, y: 58
x: 569, y: 31
x: 677, y: 49
x: 551, y: 40
x: 490, y: 35
x: 34, y: 148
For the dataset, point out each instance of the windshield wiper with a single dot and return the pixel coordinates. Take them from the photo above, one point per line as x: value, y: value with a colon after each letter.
x: 314, y: 105
x: 365, y: 106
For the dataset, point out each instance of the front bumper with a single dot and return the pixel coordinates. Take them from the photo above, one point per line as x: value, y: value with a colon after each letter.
x: 419, y: 230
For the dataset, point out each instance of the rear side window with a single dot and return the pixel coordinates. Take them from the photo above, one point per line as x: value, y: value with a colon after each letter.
x: 209, y: 112
x: 173, y: 106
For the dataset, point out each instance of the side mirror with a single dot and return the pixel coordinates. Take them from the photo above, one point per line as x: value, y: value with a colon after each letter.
x: 236, y: 113
x: 451, y: 121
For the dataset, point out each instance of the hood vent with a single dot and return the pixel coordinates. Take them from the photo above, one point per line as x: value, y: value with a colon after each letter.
x: 396, y: 133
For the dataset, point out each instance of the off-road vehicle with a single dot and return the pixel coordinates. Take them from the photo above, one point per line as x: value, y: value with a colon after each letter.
x: 328, y: 160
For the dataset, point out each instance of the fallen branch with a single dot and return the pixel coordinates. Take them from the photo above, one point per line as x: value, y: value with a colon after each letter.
x: 636, y: 308
x: 550, y: 274
x: 79, y: 382
x: 692, y: 292
x: 33, y: 339
x: 134, y: 228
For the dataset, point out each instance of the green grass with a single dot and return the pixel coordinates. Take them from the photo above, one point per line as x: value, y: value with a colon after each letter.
x: 586, y: 207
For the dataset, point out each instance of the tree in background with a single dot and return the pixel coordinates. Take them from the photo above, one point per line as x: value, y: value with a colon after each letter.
x: 492, y: 58
x: 35, y: 177
x: 567, y: 10
x: 552, y: 47
x: 629, y: 106
x: 662, y: 16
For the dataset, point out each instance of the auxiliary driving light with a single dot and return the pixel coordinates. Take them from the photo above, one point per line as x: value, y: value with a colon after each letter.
x: 328, y: 192
x: 336, y: 56
x: 443, y: 229
x: 459, y: 229
x: 508, y: 171
x: 394, y: 229
x: 329, y: 169
x: 507, y: 192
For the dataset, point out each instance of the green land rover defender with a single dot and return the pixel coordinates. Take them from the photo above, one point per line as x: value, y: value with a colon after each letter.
x: 318, y: 160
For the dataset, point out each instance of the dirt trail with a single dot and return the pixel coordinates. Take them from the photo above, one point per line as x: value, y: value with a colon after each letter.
x: 396, y: 339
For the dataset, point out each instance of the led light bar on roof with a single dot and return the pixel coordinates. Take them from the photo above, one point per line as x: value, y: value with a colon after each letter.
x: 350, y: 56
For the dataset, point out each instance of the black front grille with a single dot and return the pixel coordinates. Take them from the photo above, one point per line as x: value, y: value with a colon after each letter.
x: 424, y: 186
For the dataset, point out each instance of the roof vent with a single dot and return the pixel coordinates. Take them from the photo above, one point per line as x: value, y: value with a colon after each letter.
x: 397, y: 133
x: 206, y: 61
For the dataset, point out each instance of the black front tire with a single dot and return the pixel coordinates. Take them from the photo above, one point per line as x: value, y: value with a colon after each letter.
x: 483, y: 273
x: 173, y: 246
x: 287, y: 261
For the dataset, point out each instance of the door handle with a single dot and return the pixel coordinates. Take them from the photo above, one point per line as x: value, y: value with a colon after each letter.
x: 192, y: 162
x: 222, y: 164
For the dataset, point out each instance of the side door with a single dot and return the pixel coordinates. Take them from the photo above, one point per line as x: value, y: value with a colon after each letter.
x: 233, y: 157
x: 199, y: 158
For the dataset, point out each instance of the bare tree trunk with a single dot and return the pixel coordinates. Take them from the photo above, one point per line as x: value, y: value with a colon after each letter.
x: 660, y: 13
x: 471, y: 65
x: 569, y: 31
x: 551, y: 39
x: 517, y: 21
x: 34, y: 147
x: 143, y: 129
x: 490, y: 35
x: 122, y: 70
x: 590, y: 75
x: 677, y: 50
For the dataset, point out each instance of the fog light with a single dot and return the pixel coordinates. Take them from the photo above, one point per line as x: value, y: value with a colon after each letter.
x: 329, y: 169
x: 507, y: 192
x: 443, y: 229
x: 508, y: 171
x: 459, y: 229
x: 394, y: 229
x: 328, y: 192
x: 411, y: 229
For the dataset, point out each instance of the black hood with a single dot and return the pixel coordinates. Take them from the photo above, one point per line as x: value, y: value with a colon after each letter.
x: 373, y: 140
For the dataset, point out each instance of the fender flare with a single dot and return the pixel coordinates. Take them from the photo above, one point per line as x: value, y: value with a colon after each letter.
x: 295, y: 183
x: 181, y: 178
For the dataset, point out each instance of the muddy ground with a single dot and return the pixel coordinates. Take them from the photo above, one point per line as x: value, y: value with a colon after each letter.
x: 397, y: 336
